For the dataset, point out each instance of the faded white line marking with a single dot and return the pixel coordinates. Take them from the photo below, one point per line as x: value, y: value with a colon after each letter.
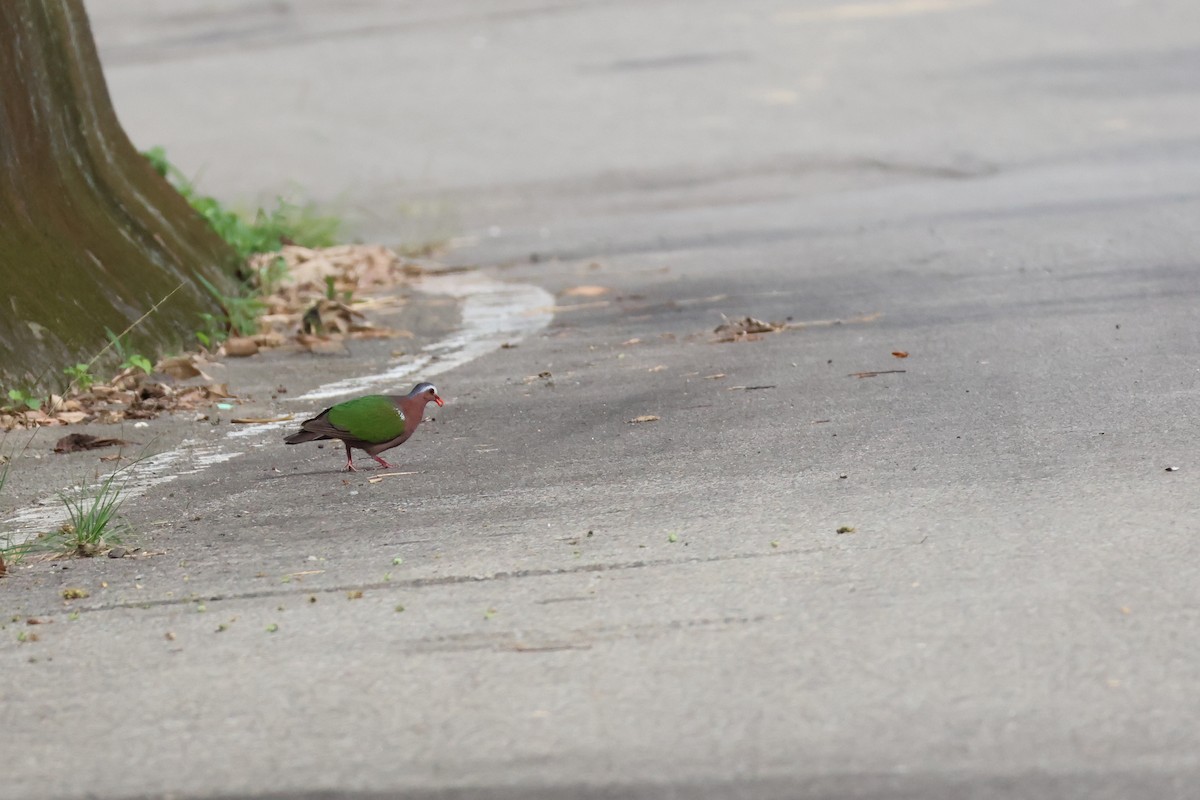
x: 137, y: 479
x: 493, y: 312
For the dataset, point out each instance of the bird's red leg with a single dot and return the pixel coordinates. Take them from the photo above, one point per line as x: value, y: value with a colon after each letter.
x: 385, y: 464
x: 349, y: 460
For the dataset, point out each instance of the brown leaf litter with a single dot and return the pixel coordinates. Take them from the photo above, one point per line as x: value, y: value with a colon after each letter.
x: 318, y: 303
x: 314, y: 307
x: 130, y: 395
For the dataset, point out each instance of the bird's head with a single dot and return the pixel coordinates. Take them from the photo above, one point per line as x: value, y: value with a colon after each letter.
x: 427, y: 391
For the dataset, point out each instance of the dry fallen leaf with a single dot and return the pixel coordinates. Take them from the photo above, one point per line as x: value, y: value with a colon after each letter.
x: 270, y: 339
x: 179, y: 367
x: 240, y: 347
x: 645, y: 418
x: 586, y: 291
x: 75, y: 442
x: 750, y: 329
x: 900, y: 353
x: 745, y: 329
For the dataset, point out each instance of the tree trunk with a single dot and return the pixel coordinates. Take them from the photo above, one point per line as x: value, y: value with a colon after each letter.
x: 91, y: 237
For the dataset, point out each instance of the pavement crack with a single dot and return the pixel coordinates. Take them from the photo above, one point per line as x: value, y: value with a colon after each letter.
x: 422, y: 583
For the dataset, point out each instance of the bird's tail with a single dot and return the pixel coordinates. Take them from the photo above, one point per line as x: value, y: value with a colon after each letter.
x: 303, y: 436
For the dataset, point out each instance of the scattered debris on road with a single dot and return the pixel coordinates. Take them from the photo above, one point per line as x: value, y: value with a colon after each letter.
x: 378, y: 478
x: 746, y: 329
x: 873, y: 373
x: 644, y: 418
x: 261, y: 420
x: 751, y: 329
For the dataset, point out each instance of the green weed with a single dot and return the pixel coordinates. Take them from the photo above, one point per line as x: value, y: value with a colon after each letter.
x: 19, y: 399
x: 264, y: 231
x: 93, y: 517
x: 240, y: 312
x: 271, y: 275
x: 138, y: 362
x: 80, y: 376
x: 116, y: 344
x: 213, y: 332
x: 129, y: 360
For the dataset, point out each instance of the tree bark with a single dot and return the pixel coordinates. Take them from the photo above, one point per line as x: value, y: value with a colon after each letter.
x: 91, y: 237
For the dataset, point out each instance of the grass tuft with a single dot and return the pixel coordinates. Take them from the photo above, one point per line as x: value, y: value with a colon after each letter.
x: 93, y: 522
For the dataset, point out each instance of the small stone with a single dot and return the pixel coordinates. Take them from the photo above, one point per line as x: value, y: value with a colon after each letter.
x: 117, y: 552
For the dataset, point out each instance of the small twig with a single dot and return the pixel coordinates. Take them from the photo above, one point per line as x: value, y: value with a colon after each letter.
x: 382, y: 475
x: 873, y: 374
x: 134, y: 324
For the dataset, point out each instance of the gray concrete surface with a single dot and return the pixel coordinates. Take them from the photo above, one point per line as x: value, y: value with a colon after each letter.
x: 1012, y: 187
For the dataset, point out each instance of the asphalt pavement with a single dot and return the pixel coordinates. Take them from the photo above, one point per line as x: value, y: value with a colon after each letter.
x: 921, y: 542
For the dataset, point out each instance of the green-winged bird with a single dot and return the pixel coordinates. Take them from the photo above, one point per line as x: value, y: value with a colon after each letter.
x: 374, y: 423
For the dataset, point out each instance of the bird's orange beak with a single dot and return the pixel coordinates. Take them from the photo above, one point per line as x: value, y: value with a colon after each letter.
x: 437, y: 399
